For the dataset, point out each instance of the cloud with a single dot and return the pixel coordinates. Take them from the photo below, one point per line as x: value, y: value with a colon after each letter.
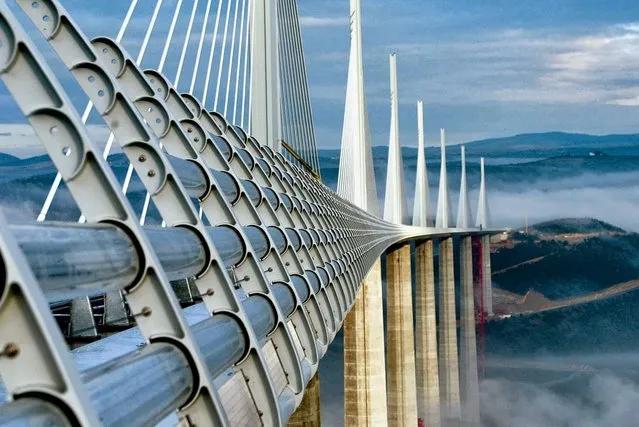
x: 323, y: 21
x: 501, y: 79
x: 606, y: 400
x: 612, y: 205
x: 611, y: 197
x: 526, y: 65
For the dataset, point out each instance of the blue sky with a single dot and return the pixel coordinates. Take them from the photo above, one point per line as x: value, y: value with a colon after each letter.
x: 484, y: 69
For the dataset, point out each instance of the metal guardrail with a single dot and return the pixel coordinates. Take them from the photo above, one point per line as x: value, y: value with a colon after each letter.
x: 308, y: 168
x: 278, y: 267
x: 277, y: 263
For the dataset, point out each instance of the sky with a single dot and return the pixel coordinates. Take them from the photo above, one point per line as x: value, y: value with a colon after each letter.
x: 483, y: 69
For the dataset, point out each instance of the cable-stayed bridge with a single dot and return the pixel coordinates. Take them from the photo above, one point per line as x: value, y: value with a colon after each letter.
x: 237, y: 266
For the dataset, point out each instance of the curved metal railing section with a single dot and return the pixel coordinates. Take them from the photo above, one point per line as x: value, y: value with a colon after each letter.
x: 278, y: 262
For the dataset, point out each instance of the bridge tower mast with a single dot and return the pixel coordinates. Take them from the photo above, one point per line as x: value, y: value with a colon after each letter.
x: 483, y: 222
x: 265, y: 112
x: 448, y: 355
x: 468, y: 349
x: 364, y: 352
x: 426, y: 363
x: 402, y: 398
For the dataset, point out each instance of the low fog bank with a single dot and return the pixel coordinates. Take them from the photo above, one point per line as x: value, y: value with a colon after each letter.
x: 19, y: 212
x: 605, y: 400
x: 606, y: 394
x: 617, y: 206
x: 612, y: 198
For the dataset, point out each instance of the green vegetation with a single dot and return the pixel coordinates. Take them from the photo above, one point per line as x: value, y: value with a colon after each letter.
x: 569, y: 270
x: 606, y: 326
x: 574, y: 225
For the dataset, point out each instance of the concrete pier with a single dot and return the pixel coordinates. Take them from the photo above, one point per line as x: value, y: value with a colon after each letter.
x: 308, y: 413
x: 448, y: 358
x: 400, y: 372
x: 426, y: 363
x: 468, y: 351
x: 487, y: 275
x: 364, y: 359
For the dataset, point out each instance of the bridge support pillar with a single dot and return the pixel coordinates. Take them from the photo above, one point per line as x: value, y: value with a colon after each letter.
x: 402, y: 394
x: 308, y: 413
x: 448, y: 358
x: 487, y: 275
x: 364, y: 360
x: 426, y: 363
x: 468, y: 350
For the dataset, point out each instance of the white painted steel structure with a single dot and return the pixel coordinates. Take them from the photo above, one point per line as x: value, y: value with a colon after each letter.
x: 275, y: 257
x: 395, y: 209
x: 422, y: 214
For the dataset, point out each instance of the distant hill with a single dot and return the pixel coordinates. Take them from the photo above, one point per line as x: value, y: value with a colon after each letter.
x: 519, y: 159
x: 20, y: 177
x: 499, y: 175
x: 564, y: 268
x: 562, y: 143
x: 514, y: 159
x: 534, y: 144
x: 24, y: 184
x: 6, y: 159
x: 593, y: 256
x: 574, y: 225
x: 606, y: 326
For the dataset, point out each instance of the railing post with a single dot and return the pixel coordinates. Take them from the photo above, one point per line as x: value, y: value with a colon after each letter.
x: 35, y: 359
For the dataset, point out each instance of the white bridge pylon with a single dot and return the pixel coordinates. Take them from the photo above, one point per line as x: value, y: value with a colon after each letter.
x: 222, y: 271
x: 422, y: 372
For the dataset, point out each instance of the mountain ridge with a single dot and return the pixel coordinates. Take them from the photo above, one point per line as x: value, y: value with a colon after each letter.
x: 527, y: 142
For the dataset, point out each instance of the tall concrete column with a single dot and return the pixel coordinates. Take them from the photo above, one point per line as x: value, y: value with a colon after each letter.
x: 483, y: 221
x: 400, y: 368
x: 364, y: 360
x: 448, y: 359
x: 426, y: 363
x: 487, y: 275
x: 468, y: 351
x: 308, y: 413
